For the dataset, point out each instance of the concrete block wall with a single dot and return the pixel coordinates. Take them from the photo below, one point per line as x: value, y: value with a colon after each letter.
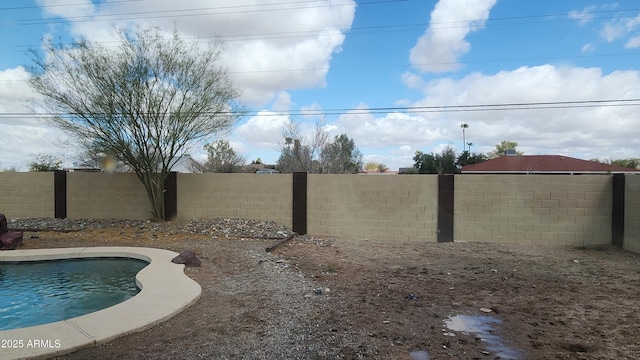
x: 106, y: 196
x: 632, y: 213
x: 248, y: 196
x: 524, y: 209
x: 394, y: 208
x: 534, y: 209
x: 27, y: 194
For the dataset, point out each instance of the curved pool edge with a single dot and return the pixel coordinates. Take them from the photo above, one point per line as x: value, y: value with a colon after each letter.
x: 165, y: 291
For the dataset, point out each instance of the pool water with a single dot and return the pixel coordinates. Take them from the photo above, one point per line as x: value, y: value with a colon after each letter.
x: 35, y: 293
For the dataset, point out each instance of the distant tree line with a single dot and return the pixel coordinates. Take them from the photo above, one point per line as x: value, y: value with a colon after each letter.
x: 446, y: 162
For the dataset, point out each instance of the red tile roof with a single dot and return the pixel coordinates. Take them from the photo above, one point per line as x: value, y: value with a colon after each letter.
x: 545, y: 164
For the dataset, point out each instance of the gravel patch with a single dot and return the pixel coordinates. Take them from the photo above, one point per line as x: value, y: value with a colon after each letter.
x: 216, y: 228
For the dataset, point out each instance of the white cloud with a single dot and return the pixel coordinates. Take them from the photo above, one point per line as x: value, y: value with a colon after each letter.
x: 14, y: 89
x: 270, y: 46
x: 619, y: 27
x: 587, y: 48
x: 263, y: 130
x: 394, y: 129
x: 56, y: 8
x: 412, y: 80
x: 23, y: 135
x: 444, y: 41
x: 584, y: 132
x: 282, y: 101
x: 578, y: 131
x: 583, y: 16
x: 633, y: 43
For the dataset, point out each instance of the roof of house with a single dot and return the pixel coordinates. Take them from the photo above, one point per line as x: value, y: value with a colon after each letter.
x: 543, y: 164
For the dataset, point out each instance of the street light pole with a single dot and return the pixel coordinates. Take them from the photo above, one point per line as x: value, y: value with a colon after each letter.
x: 464, y: 126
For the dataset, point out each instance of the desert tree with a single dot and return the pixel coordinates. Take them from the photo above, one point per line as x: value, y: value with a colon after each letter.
x: 502, y: 148
x: 221, y: 158
x: 145, y: 101
x: 440, y: 163
x: 633, y: 163
x: 374, y: 166
x: 468, y: 158
x: 45, y: 162
x: 341, y: 156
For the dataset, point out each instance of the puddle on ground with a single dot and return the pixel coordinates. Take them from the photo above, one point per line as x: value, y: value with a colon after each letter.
x: 419, y: 355
x: 483, y: 327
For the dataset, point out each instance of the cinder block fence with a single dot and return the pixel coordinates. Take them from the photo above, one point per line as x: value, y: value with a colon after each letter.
x: 574, y: 210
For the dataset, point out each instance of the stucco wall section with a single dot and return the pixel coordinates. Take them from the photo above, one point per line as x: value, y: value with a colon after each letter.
x: 106, y: 196
x: 27, y: 194
x: 534, y: 209
x: 247, y: 196
x: 394, y: 208
x: 632, y: 213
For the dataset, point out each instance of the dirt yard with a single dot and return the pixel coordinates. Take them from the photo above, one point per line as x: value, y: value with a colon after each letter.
x: 355, y: 299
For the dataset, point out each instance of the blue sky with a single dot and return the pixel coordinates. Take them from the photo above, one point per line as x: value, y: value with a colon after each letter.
x: 349, y: 59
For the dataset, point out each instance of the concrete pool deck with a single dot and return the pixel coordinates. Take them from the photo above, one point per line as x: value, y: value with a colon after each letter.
x: 165, y: 291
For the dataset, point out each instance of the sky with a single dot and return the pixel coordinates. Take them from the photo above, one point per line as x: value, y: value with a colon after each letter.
x: 396, y: 76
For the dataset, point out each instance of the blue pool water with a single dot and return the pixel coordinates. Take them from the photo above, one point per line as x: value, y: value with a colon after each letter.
x: 35, y: 293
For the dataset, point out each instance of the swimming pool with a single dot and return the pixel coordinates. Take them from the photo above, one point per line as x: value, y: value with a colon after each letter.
x: 165, y: 290
x: 34, y: 293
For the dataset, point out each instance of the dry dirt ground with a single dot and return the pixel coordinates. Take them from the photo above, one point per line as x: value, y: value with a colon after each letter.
x: 384, y: 300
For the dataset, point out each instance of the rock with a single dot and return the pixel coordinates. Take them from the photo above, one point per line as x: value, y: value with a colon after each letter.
x: 486, y: 310
x: 188, y: 258
x: 9, y: 240
x: 318, y: 291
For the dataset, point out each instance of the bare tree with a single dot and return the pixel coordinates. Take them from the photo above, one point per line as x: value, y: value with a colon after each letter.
x: 299, y: 154
x: 145, y: 101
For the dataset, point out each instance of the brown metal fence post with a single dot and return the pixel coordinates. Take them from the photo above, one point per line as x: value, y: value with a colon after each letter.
x: 445, y: 208
x: 171, y: 196
x: 300, y: 203
x: 60, y: 194
x: 617, y: 211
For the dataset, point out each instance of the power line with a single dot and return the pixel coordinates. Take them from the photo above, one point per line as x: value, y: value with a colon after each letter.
x: 353, y: 31
x: 197, y: 12
x: 247, y: 9
x: 356, y: 67
x: 308, y: 33
x: 64, y: 5
x: 405, y: 109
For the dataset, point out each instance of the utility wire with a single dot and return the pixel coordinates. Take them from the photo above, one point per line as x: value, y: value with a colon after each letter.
x: 64, y: 5
x: 404, y: 109
x: 197, y: 12
x: 363, y: 30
